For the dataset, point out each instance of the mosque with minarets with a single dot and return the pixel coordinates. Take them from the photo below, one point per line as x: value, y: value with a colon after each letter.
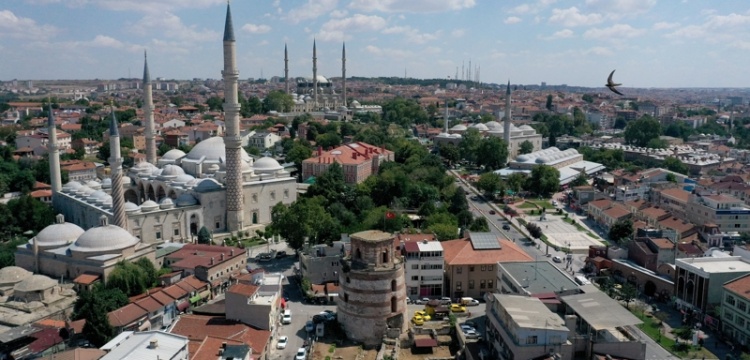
x: 216, y: 185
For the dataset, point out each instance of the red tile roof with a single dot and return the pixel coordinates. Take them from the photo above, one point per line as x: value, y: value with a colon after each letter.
x: 126, y: 315
x: 208, y: 349
x: 86, y: 279
x: 243, y: 289
x: 197, y: 327
x: 740, y: 286
x: 149, y: 304
x: 461, y: 252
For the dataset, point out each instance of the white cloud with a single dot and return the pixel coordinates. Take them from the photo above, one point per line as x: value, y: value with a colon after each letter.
x: 312, y: 9
x: 562, y: 34
x: 573, y: 17
x: 598, y: 50
x: 616, y: 31
x: 731, y: 20
x: 457, y: 33
x: 663, y: 25
x: 618, y: 8
x: 171, y: 26
x: 99, y: 41
x: 688, y: 32
x: 390, y: 53
x: 143, y: 6
x: 341, y: 29
x: 16, y: 27
x: 263, y: 43
x: 532, y: 8
x: 373, y: 50
x: 339, y: 13
x: 256, y: 29
x: 411, y: 34
x: 413, y: 6
x: 512, y: 20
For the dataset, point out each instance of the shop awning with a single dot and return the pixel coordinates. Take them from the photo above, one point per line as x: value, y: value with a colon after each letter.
x: 145, y: 326
x: 205, y: 294
x: 195, y: 299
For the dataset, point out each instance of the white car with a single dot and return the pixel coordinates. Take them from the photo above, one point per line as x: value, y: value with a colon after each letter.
x: 301, y: 354
x: 286, y: 318
x: 472, y: 302
x: 281, y: 344
x: 471, y: 334
x: 466, y: 328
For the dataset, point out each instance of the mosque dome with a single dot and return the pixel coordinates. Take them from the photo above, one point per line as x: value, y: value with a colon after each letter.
x: 166, y: 203
x: 480, y: 127
x: 106, y: 183
x: 456, y: 136
x: 267, y: 164
x: 525, y: 127
x: 13, y: 274
x: 207, y: 185
x: 171, y: 170
x: 543, y: 159
x: 173, y: 154
x: 143, y: 167
x: 149, y: 205
x: 85, y: 191
x: 459, y: 127
x: 95, y: 196
x: 186, y: 200
x: 213, y: 150
x: 493, y: 125
x: 131, y: 207
x: 72, y: 186
x: 523, y: 158
x: 94, y: 184
x: 184, y: 178
x: 355, y: 104
x: 156, y: 171
x: 35, y: 283
x: 107, y: 201
x: 104, y: 238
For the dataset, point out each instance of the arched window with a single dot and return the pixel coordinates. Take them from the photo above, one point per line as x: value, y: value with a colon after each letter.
x: 346, y: 297
x: 394, y: 304
x: 393, y: 285
x: 385, y: 257
x: 347, y: 280
x: 359, y: 254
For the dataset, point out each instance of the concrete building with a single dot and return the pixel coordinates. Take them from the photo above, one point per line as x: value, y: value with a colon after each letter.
x: 520, y: 327
x: 424, y: 264
x: 735, y: 310
x: 470, y: 263
x: 146, y: 345
x: 699, y: 281
x: 256, y: 304
x: 206, y: 335
x: 533, y: 278
x: 263, y: 140
x: 372, y: 297
x: 322, y: 263
x: 210, y: 263
x: 726, y: 211
x: 569, y: 163
x: 26, y: 298
x: 358, y: 161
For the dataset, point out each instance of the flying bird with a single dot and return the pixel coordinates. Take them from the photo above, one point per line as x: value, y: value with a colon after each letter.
x: 611, y: 84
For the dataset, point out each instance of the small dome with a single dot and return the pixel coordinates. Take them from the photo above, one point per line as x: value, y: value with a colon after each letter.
x: 480, y: 127
x: 266, y: 164
x: 493, y: 125
x: 525, y: 127
x: 207, y: 185
x: 543, y: 160
x: 94, y: 184
x: 104, y: 238
x: 35, y: 283
x: 355, y: 104
x: 72, y: 186
x: 173, y: 154
x: 156, y: 171
x: 456, y: 136
x: 85, y: 191
x: 185, y: 178
x: 523, y: 158
x: 131, y: 207
x: 13, y: 274
x: 149, y: 205
x: 166, y: 203
x: 186, y: 200
x: 96, y: 195
x: 172, y: 170
x: 106, y: 183
x: 459, y: 127
x: 143, y: 167
x: 59, y: 234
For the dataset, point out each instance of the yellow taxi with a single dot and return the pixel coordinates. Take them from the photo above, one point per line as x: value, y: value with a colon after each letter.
x: 417, y: 320
x: 458, y: 308
x: 424, y: 315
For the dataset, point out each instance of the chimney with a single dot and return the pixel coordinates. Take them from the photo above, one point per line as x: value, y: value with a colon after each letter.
x: 231, y: 252
x: 153, y: 344
x: 224, y: 345
x: 320, y: 150
x: 212, y: 261
x: 222, y: 256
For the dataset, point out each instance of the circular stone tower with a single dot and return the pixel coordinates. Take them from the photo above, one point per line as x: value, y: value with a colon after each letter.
x: 372, y: 295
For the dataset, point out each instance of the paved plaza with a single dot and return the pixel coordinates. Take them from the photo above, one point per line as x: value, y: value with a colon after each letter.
x: 562, y: 234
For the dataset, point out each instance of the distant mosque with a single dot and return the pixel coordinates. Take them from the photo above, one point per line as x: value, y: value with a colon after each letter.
x: 216, y: 185
x: 513, y: 136
x: 316, y: 93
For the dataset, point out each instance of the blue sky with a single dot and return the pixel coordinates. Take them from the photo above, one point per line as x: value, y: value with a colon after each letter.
x: 676, y: 43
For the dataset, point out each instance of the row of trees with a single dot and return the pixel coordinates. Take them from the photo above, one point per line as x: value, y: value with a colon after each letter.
x: 543, y: 181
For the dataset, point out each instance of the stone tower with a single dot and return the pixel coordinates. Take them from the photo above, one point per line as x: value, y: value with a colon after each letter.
x: 343, y: 73
x: 232, y: 140
x: 315, y: 75
x: 54, y: 157
x: 506, y: 123
x: 115, y: 164
x: 372, y: 295
x: 286, y: 70
x: 148, y: 113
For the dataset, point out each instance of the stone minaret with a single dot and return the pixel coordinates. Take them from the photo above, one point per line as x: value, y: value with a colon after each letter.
x: 232, y: 140
x: 315, y: 75
x: 506, y: 124
x: 55, y: 176
x: 148, y: 113
x: 115, y: 164
x: 343, y: 73
x: 286, y: 70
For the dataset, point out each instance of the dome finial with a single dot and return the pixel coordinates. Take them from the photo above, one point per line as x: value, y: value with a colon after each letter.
x: 103, y: 221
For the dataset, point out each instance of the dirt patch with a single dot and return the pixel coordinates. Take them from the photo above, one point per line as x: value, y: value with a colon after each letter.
x: 346, y: 351
x: 440, y: 351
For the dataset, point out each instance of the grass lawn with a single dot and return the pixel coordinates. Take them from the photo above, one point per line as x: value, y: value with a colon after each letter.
x: 651, y: 327
x: 527, y: 205
x: 542, y: 203
x: 253, y: 242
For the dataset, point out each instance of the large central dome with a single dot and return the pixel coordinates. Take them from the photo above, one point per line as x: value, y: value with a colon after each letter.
x: 104, y: 238
x: 213, y: 150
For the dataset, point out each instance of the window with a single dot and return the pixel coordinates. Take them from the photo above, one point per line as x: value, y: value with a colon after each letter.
x: 458, y: 285
x: 393, y: 285
x: 740, y: 321
x: 484, y: 267
x: 286, y: 193
x: 415, y: 278
x: 490, y: 284
x: 348, y: 280
x: 490, y: 268
x: 415, y: 267
x: 471, y: 268
x: 273, y: 195
x: 729, y: 300
x: 741, y: 305
x: 459, y: 269
x: 255, y: 198
x: 728, y: 316
x: 158, y: 234
x: 482, y: 284
x: 176, y: 232
x: 471, y: 284
x: 531, y: 340
x: 346, y: 297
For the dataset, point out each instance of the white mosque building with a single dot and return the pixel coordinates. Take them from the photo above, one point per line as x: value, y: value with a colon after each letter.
x: 569, y: 163
x: 216, y: 185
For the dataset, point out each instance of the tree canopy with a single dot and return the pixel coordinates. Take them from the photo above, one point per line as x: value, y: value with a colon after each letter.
x: 278, y: 100
x: 544, y: 180
x: 640, y: 132
x: 621, y: 231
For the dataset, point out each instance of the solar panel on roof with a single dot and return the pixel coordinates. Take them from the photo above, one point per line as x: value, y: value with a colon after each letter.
x: 484, y: 241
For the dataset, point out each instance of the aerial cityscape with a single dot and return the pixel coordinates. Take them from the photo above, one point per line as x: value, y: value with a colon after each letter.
x: 446, y: 179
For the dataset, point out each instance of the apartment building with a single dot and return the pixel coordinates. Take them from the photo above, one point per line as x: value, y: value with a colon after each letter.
x: 256, y: 304
x: 674, y: 200
x: 424, y: 264
x: 735, y: 310
x: 358, y: 161
x: 322, y: 263
x: 726, y: 211
x: 699, y: 281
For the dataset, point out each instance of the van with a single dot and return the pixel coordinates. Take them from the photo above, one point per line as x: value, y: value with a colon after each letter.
x: 467, y: 301
x: 581, y: 280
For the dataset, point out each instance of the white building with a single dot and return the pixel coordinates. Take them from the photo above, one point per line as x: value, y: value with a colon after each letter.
x: 424, y: 268
x: 569, y: 163
x: 263, y: 140
x: 146, y: 345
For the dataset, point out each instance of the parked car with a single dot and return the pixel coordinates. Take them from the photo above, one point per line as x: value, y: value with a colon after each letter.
x: 557, y: 259
x: 467, y: 301
x: 309, y: 326
x: 471, y: 334
x: 458, y: 308
x: 264, y: 257
x: 445, y: 300
x: 286, y: 317
x: 423, y: 314
x: 281, y: 254
x: 301, y: 354
x: 465, y: 328
x: 470, y: 323
x: 506, y: 227
x: 422, y: 301
x: 492, y: 212
x: 283, y: 340
x: 417, y: 320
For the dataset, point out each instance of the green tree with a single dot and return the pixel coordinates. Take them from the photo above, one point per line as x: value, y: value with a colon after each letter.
x: 621, y: 231
x: 544, y: 180
x: 516, y: 182
x: 587, y: 98
x: 30, y: 214
x: 628, y: 293
x: 458, y: 201
x: 129, y: 278
x: 297, y: 154
x: 469, y: 145
x: 404, y: 112
x: 480, y: 225
x: 277, y: 100
x: 534, y: 230
x: 449, y: 152
x: 494, y: 153
x: 580, y: 180
x: 641, y: 131
x: 657, y: 143
x: 94, y: 306
x: 489, y: 183
x: 674, y: 164
x: 548, y: 105
x: 215, y: 103
x: 443, y: 232
x: 204, y: 237
x: 328, y: 140
x: 526, y: 147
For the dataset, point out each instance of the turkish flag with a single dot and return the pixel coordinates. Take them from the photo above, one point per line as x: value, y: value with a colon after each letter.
x: 389, y: 215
